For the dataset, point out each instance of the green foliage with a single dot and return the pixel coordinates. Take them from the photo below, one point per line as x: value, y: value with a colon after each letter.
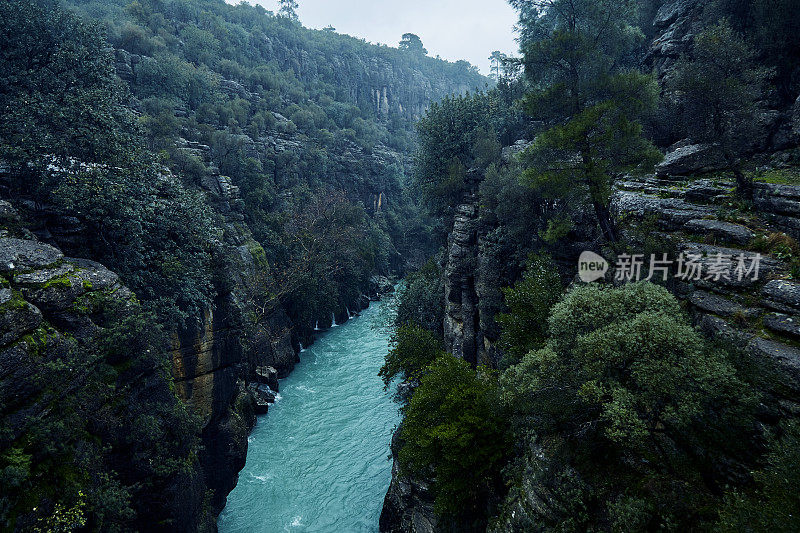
x: 93, y: 452
x: 412, y: 43
x: 413, y: 350
x: 58, y: 89
x: 773, y: 505
x: 771, y: 26
x: 720, y: 89
x: 455, y: 136
x: 632, y: 399
x: 453, y: 431
x: 781, y: 246
x: 284, y: 124
x: 77, y: 148
x: 575, y: 56
x: 289, y: 9
x: 529, y: 301
x: 422, y: 299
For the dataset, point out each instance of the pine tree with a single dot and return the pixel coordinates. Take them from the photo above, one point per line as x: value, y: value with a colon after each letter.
x: 289, y: 9
x: 720, y: 90
x: 576, y: 55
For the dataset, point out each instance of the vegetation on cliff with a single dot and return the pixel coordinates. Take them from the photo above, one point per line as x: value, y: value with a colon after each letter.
x: 623, y: 415
x: 234, y: 168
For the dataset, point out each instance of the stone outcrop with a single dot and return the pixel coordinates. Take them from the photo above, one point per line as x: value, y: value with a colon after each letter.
x: 461, y: 321
x: 51, y: 305
x: 688, y: 159
x: 408, y: 505
x: 760, y: 313
x: 676, y: 24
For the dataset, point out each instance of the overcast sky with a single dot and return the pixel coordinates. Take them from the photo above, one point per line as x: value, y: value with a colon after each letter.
x: 453, y: 29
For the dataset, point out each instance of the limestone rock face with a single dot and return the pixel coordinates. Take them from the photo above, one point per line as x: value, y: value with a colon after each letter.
x: 461, y: 302
x: 731, y: 307
x: 727, y: 231
x: 676, y: 22
x: 19, y: 254
x: 49, y: 310
x: 782, y: 295
x: 408, y: 505
x: 689, y: 159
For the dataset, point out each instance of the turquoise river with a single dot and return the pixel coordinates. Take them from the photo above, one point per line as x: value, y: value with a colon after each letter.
x: 317, y: 462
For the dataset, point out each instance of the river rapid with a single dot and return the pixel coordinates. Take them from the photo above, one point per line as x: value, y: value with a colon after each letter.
x: 317, y: 462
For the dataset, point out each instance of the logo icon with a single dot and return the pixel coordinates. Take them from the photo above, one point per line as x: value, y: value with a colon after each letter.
x: 591, y: 267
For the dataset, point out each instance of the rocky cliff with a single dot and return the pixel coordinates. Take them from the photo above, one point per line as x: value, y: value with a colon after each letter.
x: 673, y: 29
x: 214, y: 359
x: 54, y: 317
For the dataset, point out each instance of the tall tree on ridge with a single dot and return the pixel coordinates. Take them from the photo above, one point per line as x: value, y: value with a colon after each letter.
x: 576, y: 55
x: 289, y: 9
x: 412, y: 43
x: 497, y: 62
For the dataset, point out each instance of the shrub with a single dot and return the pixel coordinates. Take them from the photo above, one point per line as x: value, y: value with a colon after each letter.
x: 637, y: 402
x: 422, y: 299
x: 774, y: 504
x: 529, y: 302
x: 453, y: 430
x: 414, y: 349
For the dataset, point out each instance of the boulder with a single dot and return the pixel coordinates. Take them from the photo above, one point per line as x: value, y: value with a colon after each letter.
x: 19, y: 254
x: 718, y: 305
x: 725, y: 231
x: 709, y: 257
x: 781, y: 295
x: 17, y: 318
x: 785, y: 358
x: 688, y: 159
x: 672, y: 213
x: 263, y: 397
x: 706, y: 191
x: 785, y: 324
x: 775, y: 199
x: 268, y: 376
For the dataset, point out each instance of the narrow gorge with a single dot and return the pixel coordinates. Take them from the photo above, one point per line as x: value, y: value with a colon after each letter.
x: 318, y: 460
x: 257, y: 276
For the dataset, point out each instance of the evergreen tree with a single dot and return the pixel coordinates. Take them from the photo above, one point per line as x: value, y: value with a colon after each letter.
x: 577, y: 55
x: 412, y: 43
x: 497, y: 63
x: 455, y: 136
x: 719, y: 90
x: 289, y: 9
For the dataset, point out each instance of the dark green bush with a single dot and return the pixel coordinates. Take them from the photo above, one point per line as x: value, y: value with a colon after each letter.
x: 414, y: 348
x: 637, y: 404
x: 529, y: 302
x: 454, y: 433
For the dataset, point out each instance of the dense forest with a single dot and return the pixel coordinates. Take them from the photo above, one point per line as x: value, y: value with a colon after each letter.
x: 535, y: 402
x: 229, y: 180
x: 190, y: 188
